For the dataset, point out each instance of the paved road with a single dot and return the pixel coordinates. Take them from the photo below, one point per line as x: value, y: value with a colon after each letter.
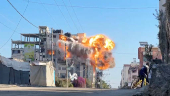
x: 53, y: 91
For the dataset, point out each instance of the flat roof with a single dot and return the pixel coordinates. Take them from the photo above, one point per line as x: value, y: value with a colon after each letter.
x: 43, y: 26
x: 30, y: 34
x: 126, y: 65
x: 152, y: 47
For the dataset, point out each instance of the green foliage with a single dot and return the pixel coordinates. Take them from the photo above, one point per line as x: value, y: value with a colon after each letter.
x: 88, y: 83
x: 63, y: 83
x: 59, y: 83
x: 71, y: 85
x: 163, y: 35
x: 105, y: 85
x: 148, y: 54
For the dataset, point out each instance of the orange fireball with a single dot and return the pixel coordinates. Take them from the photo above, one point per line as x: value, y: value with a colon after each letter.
x: 101, y: 57
x: 49, y: 52
x: 100, y: 44
x: 62, y: 37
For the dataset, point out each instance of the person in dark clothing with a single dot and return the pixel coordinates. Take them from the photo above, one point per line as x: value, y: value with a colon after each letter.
x: 144, y: 73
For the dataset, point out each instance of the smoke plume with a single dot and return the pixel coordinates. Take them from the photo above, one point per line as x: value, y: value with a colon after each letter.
x: 81, y: 53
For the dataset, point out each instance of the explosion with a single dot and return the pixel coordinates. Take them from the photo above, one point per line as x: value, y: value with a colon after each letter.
x: 62, y: 37
x: 49, y: 52
x: 97, y: 48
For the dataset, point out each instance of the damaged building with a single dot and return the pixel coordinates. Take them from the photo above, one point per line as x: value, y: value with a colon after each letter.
x: 40, y: 47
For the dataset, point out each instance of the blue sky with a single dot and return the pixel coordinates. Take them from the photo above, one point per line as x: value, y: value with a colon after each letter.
x: 126, y: 27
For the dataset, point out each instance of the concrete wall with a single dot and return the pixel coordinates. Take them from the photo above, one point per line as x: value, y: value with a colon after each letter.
x: 124, y: 77
x: 126, y: 68
x: 155, y: 52
x: 131, y: 74
x: 10, y: 76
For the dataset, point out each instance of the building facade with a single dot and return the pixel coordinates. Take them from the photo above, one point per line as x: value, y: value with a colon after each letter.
x: 129, y: 73
x: 40, y: 46
x: 156, y: 53
x: 124, y: 74
x: 133, y: 71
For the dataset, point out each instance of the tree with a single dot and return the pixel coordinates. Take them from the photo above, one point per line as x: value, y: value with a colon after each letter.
x: 59, y: 83
x: 71, y: 85
x: 88, y: 83
x: 148, y: 52
x: 63, y: 83
x: 105, y: 85
x: 163, y: 37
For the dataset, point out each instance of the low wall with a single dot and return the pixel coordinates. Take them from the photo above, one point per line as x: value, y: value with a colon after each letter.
x: 10, y: 76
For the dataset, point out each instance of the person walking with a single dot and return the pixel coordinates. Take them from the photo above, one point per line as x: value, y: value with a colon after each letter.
x: 144, y: 73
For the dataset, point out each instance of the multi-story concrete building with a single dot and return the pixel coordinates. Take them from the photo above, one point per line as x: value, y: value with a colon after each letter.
x: 129, y: 73
x: 133, y: 71
x: 38, y: 47
x: 124, y: 74
x: 156, y: 53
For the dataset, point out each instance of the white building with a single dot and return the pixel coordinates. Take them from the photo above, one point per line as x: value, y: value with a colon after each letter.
x: 133, y: 71
x: 124, y: 74
x: 129, y: 72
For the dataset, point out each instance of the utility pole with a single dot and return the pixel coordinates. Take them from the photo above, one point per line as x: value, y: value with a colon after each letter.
x: 85, y: 75
x: 66, y: 64
x: 52, y: 44
x: 52, y: 52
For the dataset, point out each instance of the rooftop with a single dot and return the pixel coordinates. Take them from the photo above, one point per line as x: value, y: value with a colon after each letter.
x: 126, y: 65
x: 31, y: 35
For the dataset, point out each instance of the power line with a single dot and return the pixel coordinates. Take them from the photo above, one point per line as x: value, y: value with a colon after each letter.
x: 125, y: 53
x: 62, y: 14
x: 76, y: 17
x: 16, y: 26
x: 11, y: 22
x: 49, y: 14
x: 95, y: 7
x: 70, y: 16
x: 7, y: 19
x: 7, y: 27
x: 21, y: 14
